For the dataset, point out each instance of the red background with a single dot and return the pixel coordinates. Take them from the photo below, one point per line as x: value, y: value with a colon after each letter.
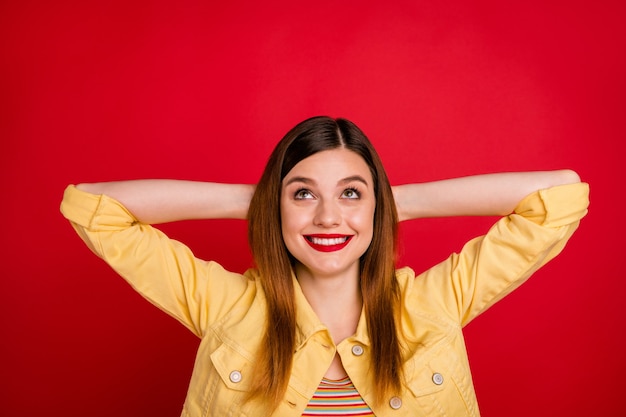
x: 203, y: 90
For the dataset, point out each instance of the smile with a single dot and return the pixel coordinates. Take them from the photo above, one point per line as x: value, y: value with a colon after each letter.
x: 327, y: 243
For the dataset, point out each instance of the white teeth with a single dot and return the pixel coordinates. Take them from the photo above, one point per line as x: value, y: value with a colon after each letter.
x: 329, y: 242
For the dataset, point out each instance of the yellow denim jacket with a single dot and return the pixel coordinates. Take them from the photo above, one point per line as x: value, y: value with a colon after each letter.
x: 227, y: 310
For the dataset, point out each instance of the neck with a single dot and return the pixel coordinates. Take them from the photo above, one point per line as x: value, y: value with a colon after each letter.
x: 336, y: 300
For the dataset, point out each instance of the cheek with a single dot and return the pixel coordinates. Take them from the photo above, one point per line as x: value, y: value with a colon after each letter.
x: 365, y: 218
x: 363, y: 223
x: 291, y: 225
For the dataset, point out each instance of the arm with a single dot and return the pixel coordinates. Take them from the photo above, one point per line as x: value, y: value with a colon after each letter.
x: 161, y: 201
x: 489, y: 267
x: 478, y: 195
x: 164, y: 271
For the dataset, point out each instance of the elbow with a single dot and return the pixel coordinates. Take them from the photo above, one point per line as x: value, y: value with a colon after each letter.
x: 568, y: 176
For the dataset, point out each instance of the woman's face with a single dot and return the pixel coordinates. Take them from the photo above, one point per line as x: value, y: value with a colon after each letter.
x: 327, y: 212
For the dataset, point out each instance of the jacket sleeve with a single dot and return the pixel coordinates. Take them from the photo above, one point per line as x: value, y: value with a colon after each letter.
x: 163, y: 270
x: 491, y: 266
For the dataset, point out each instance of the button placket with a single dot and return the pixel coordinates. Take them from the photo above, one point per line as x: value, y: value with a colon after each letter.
x: 357, y: 350
x: 395, y: 403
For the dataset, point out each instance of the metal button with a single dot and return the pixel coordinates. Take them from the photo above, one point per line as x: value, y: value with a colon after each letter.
x: 235, y: 376
x: 395, y: 402
x: 437, y: 378
x: 357, y: 350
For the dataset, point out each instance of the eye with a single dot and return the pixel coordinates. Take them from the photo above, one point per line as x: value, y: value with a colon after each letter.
x: 351, y: 193
x: 302, y: 194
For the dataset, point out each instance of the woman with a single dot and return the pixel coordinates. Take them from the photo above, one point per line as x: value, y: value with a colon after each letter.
x: 325, y: 310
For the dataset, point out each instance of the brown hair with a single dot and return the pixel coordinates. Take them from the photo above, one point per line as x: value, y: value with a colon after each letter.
x: 379, y: 287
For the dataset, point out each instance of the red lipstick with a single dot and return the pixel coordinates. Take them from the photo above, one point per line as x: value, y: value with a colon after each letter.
x: 328, y: 243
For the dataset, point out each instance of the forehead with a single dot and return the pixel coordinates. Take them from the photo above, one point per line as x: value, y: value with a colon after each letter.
x: 330, y: 166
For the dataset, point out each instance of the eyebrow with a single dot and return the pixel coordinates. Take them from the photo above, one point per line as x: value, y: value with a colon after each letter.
x: 353, y: 178
x: 346, y: 180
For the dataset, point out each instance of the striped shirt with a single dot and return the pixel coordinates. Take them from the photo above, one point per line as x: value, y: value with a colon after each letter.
x: 337, y: 398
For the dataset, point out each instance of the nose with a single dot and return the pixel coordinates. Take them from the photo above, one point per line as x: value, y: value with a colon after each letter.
x: 327, y: 214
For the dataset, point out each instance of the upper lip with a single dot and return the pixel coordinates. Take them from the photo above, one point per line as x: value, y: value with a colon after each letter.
x: 328, y: 239
x: 328, y: 236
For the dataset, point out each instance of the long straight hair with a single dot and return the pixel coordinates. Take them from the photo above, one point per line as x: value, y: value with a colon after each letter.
x: 379, y: 287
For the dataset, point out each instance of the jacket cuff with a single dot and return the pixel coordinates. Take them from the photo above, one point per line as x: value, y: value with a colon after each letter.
x: 556, y: 206
x: 79, y: 206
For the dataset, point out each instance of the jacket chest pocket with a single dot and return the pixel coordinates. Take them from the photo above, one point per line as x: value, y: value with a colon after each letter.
x: 230, y: 381
x: 441, y: 385
x: 234, y: 369
x: 231, y: 384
